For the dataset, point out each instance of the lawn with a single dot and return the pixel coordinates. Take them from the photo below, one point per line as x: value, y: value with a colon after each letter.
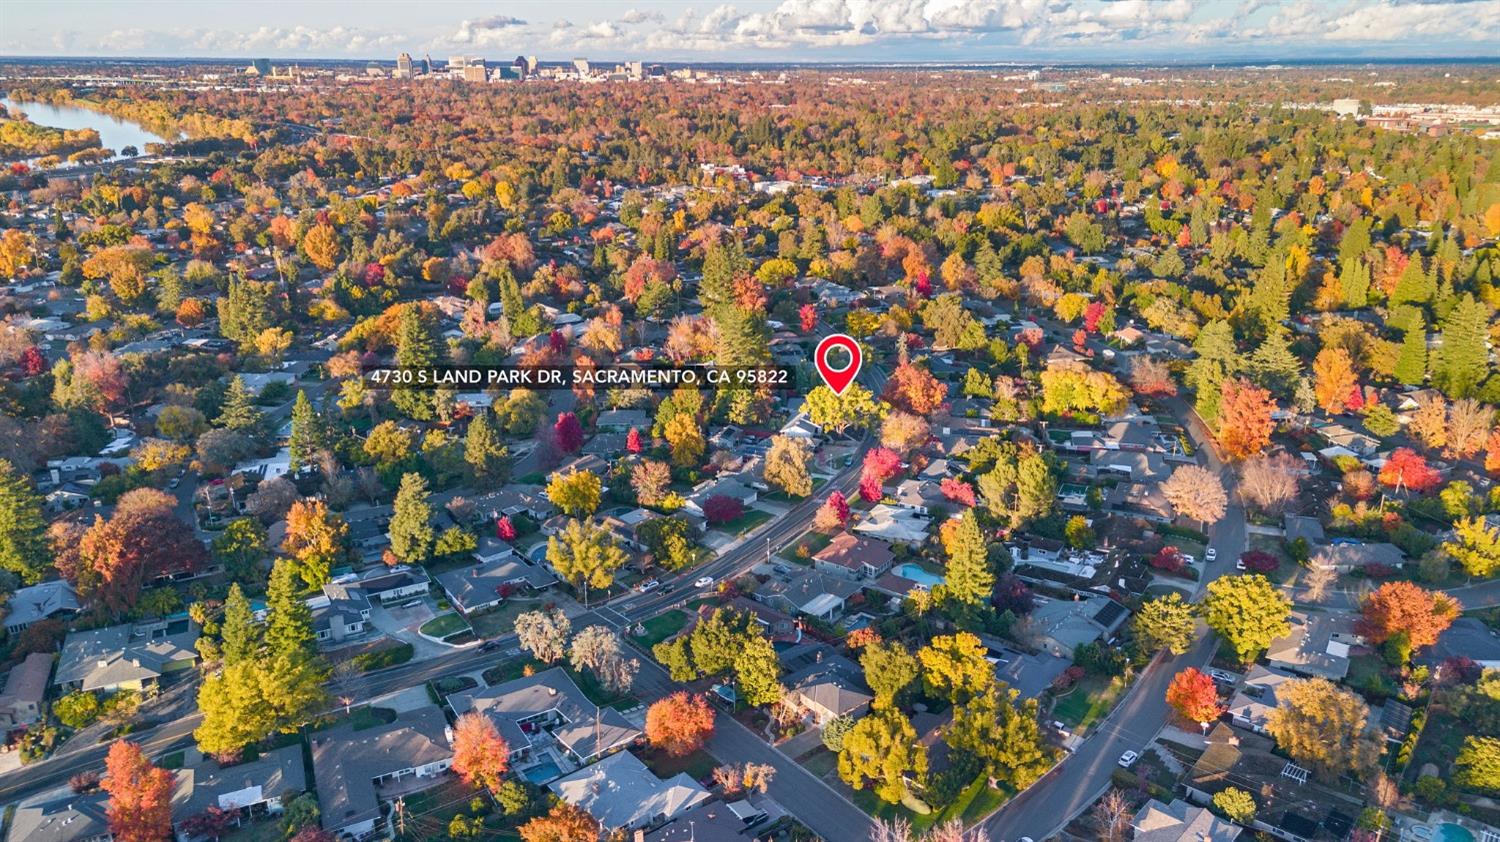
x: 388, y: 656
x: 661, y: 627
x: 820, y: 761
x: 362, y: 718
x: 868, y: 801
x: 443, y: 625
x: 501, y: 620
x: 698, y: 765
x: 1089, y: 701
x: 744, y: 523
x: 806, y: 547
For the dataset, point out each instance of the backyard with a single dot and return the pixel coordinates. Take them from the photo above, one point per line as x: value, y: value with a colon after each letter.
x: 1089, y: 701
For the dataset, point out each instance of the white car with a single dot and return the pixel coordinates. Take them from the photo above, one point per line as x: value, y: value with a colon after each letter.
x: 1128, y: 759
x: 1210, y: 554
x: 1222, y: 676
x: 648, y: 586
x: 1189, y: 559
x: 1239, y: 564
x: 703, y: 582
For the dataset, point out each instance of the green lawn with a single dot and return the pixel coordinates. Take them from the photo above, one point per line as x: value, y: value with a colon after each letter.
x: 1088, y: 701
x: 389, y: 656
x: 362, y: 718
x: 443, y: 625
x: 868, y: 801
x: 806, y: 547
x: 502, y: 619
x: 820, y: 761
x: 697, y: 765
x: 661, y: 627
x: 744, y: 523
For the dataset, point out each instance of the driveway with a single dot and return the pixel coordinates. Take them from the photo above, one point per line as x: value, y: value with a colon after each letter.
x: 402, y: 624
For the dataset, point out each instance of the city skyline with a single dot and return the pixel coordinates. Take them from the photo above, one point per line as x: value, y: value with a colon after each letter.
x: 833, y: 31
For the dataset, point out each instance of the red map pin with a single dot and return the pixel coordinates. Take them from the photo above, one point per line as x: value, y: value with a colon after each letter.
x: 838, y: 379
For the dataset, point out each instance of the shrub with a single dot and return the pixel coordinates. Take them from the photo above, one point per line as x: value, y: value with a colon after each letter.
x: 77, y: 709
x: 721, y: 508
x: 1259, y: 561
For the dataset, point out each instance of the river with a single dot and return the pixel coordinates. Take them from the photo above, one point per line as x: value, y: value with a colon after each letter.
x: 114, y: 134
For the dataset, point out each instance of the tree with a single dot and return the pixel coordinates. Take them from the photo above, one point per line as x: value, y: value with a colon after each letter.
x: 915, y: 390
x: 1112, y: 815
x: 1235, y: 804
x: 235, y: 710
x: 1074, y: 387
x: 1196, y: 493
x: 680, y: 724
x: 567, y: 432
x: 575, y: 494
x: 1245, y: 419
x: 1322, y: 726
x: 308, y: 434
x: 903, y: 432
x: 833, y: 514
x: 879, y: 465
x: 1478, y: 763
x: 411, y: 521
x: 77, y: 709
x: 1411, y: 359
x: 1476, y: 546
x: 239, y: 632
x: 239, y: 413
x: 882, y: 752
x: 889, y: 669
x: 650, y: 479
x: 1269, y: 483
x: 1404, y: 608
x: 1462, y: 362
x: 757, y: 672
x: 113, y: 560
x: 600, y: 651
x: 1405, y: 468
x: 685, y: 440
x: 585, y: 555
x: 140, y: 795
x: 544, y: 634
x: 1334, y: 379
x: 856, y: 407
x: 1002, y: 731
x: 484, y: 452
x: 23, y: 539
x: 1193, y: 695
x: 970, y: 580
x: 1164, y: 622
x: 720, y: 509
x: 1216, y: 361
x: 786, y: 466
x: 1247, y: 611
x: 1151, y: 377
x: 480, y: 754
x: 314, y: 539
x: 1469, y: 423
x: 956, y: 668
x: 565, y: 823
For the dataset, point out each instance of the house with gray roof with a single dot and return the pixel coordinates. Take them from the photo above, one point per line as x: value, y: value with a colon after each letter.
x: 126, y: 657
x: 1255, y: 698
x: 356, y: 769
x: 1346, y: 557
x: 61, y: 818
x: 1318, y: 645
x: 1181, y: 822
x: 540, y: 714
x: 813, y: 593
x: 485, y: 586
x: 828, y: 689
x: 25, y: 688
x: 55, y: 598
x: 712, y: 821
x: 1065, y: 624
x: 248, y: 790
x: 620, y: 792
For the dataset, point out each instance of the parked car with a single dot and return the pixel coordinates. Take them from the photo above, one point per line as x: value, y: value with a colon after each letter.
x: 648, y: 586
x: 1210, y: 554
x: 704, y: 582
x: 1128, y: 759
x: 782, y: 569
x: 1222, y: 676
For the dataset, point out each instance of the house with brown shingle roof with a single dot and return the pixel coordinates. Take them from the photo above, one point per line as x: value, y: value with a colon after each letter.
x: 855, y: 556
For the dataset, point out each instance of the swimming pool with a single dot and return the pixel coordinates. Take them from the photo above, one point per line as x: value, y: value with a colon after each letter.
x: 915, y: 573
x: 542, y: 772
x: 1450, y: 832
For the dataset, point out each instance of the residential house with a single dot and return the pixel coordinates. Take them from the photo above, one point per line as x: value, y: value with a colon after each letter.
x: 583, y: 464
x: 1468, y: 637
x: 1309, y: 529
x: 775, y: 624
x: 1140, y: 500
x: 54, y: 598
x: 1318, y: 645
x: 895, y: 524
x: 126, y: 657
x: 1255, y: 697
x: 248, y: 790
x: 61, y: 818
x: 1181, y: 822
x: 1137, y: 465
x: 546, y: 717
x: 516, y: 500
x: 735, y: 486
x: 622, y: 420
x: 356, y: 769
x: 800, y: 427
x: 621, y: 793
x: 339, y: 613
x: 919, y: 495
x: 393, y: 584
x: 1063, y: 625
x: 25, y: 688
x: 487, y: 584
x: 1028, y: 674
x: 1345, y: 556
x: 712, y: 821
x: 816, y: 594
x: 827, y: 688
x: 855, y: 556
x: 626, y: 527
x: 1362, y: 444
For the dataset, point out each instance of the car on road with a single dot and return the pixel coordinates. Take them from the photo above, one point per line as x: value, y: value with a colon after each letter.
x: 1222, y: 676
x: 176, y: 481
x: 782, y: 569
x: 489, y: 646
x: 648, y: 586
x: 704, y: 582
x: 1128, y: 759
x: 1239, y: 564
x: 1210, y: 554
x: 669, y: 587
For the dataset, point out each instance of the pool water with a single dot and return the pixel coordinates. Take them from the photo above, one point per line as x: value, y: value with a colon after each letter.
x: 542, y: 772
x: 915, y: 573
x: 1450, y: 832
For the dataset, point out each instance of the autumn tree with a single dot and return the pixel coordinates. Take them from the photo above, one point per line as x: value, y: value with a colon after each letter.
x: 1406, y: 469
x: 1476, y: 546
x: 544, y: 634
x: 1074, y: 387
x: 833, y: 514
x: 140, y: 795
x: 1194, y: 696
x: 1322, y: 726
x: 1002, y: 731
x: 1247, y: 611
x: 1404, y: 608
x: 889, y: 669
x: 904, y: 432
x: 679, y: 724
x: 1245, y: 419
x: 880, y: 465
x: 856, y: 407
x: 1166, y: 622
x: 585, y: 555
x: 480, y: 754
x: 1235, y: 804
x: 955, y: 667
x: 1151, y: 377
x: 685, y: 440
x: 915, y: 390
x: 314, y: 539
x: 1334, y: 379
x: 576, y: 493
x: 882, y: 752
x: 565, y: 823
x: 1196, y: 493
x: 1270, y: 483
x: 786, y: 466
x: 114, y: 559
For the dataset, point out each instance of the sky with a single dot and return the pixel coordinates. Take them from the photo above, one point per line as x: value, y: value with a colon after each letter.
x: 758, y: 30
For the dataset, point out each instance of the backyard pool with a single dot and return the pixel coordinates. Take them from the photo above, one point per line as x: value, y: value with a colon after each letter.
x: 1450, y: 832
x: 542, y: 772
x: 915, y: 573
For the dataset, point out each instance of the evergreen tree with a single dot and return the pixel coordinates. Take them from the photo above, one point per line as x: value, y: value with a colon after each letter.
x: 1273, y: 365
x: 309, y: 435
x: 170, y: 289
x: 1354, y: 280
x: 1462, y: 362
x: 1271, y: 295
x: 744, y: 338
x: 415, y: 348
x: 1354, y: 243
x: 520, y: 321
x: 1415, y: 286
x: 293, y: 674
x: 239, y: 631
x: 411, y: 523
x: 970, y: 581
x: 722, y: 263
x: 240, y: 413
x: 289, y: 624
x: 23, y: 541
x: 1217, y: 360
x: 483, y: 449
x: 1411, y: 362
x: 245, y: 311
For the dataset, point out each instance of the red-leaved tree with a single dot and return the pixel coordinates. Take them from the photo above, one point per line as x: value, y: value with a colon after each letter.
x: 807, y: 317
x: 1405, y: 608
x: 504, y: 529
x: 721, y: 508
x: 633, y: 441
x: 1245, y: 422
x: 1259, y: 561
x: 568, y: 433
x: 880, y: 465
x: 480, y: 754
x: 1406, y: 468
x: 957, y: 490
x: 1193, y: 695
x: 140, y: 795
x: 680, y: 723
x: 833, y: 514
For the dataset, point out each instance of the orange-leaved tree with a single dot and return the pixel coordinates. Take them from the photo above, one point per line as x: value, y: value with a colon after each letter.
x: 1193, y: 695
x: 680, y: 723
x: 140, y: 795
x: 480, y: 754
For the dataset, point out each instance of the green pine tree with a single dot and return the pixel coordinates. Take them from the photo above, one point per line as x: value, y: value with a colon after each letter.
x: 415, y: 348
x: 23, y: 541
x: 411, y: 523
x: 970, y: 580
x: 1415, y: 286
x: 1462, y: 362
x: 1273, y: 365
x: 1354, y: 279
x: 309, y: 434
x: 484, y: 450
x: 289, y: 624
x: 1411, y: 362
x: 721, y: 265
x: 240, y: 413
x: 1217, y: 360
x: 240, y: 633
